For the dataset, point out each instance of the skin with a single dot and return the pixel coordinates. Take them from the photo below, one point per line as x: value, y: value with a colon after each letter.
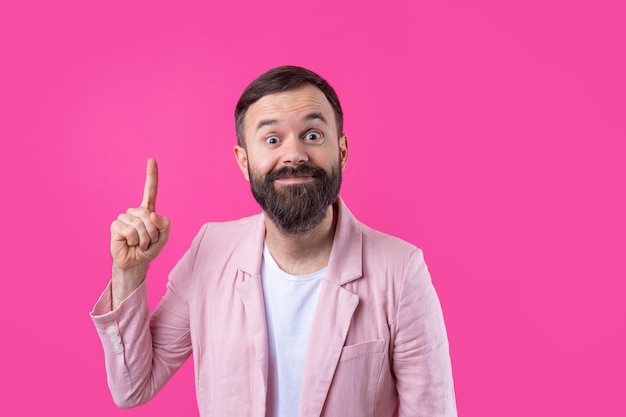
x: 283, y: 129
x: 289, y: 129
x: 137, y: 238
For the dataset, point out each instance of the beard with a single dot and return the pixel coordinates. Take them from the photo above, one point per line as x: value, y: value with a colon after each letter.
x: 297, y: 208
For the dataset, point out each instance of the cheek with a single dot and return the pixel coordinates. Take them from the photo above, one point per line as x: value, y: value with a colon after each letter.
x: 259, y: 168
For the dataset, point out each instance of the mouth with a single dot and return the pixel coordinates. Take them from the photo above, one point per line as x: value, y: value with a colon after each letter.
x: 298, y: 175
x: 294, y: 180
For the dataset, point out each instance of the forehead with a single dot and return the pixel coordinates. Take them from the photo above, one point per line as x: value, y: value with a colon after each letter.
x: 296, y: 103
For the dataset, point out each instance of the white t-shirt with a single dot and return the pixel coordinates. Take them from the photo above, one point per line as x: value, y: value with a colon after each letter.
x: 290, y: 302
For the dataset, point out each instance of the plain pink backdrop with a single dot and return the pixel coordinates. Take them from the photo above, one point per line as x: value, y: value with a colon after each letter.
x: 488, y: 133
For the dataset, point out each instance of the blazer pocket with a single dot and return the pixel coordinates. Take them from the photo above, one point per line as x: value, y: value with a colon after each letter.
x: 361, y: 349
x: 356, y: 384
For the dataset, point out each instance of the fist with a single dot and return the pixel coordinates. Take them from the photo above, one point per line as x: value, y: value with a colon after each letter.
x: 137, y: 238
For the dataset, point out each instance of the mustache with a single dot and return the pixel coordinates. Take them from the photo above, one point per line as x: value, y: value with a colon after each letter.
x: 295, y: 172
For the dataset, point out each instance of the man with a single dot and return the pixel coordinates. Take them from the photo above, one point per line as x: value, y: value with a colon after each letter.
x: 298, y: 311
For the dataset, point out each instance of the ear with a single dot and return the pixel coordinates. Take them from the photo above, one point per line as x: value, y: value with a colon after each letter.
x: 343, y: 150
x: 242, y: 161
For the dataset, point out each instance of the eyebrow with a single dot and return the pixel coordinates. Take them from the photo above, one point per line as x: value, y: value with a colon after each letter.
x: 316, y: 116
x: 266, y: 122
x: 310, y: 116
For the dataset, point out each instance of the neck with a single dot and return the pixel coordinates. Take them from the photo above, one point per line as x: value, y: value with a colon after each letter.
x: 303, y: 253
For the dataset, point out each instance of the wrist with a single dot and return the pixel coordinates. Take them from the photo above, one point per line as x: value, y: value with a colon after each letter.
x: 124, y: 283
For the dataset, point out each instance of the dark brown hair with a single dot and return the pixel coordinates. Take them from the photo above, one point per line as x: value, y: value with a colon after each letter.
x: 278, y: 80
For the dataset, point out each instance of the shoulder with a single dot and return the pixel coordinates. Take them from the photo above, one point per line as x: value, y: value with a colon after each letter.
x: 237, y: 243
x: 396, y: 258
x: 385, y: 242
x: 358, y: 242
x: 351, y: 230
x: 232, y: 226
x: 228, y: 233
x: 380, y: 249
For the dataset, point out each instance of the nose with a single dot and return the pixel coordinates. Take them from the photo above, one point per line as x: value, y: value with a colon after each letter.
x: 294, y: 152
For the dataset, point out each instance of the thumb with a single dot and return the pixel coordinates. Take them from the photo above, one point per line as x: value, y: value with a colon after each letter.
x: 161, y: 222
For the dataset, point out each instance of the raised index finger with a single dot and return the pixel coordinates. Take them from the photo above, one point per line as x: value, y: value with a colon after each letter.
x: 152, y: 183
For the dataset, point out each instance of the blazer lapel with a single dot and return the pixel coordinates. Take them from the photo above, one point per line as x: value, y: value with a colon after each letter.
x: 330, y: 327
x: 250, y: 290
x: 251, y: 293
x: 335, y: 308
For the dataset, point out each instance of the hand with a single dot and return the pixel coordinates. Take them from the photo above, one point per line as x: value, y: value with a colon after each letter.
x: 137, y: 238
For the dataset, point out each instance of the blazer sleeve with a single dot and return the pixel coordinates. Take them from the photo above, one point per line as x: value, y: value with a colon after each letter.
x: 421, y: 358
x: 143, y: 351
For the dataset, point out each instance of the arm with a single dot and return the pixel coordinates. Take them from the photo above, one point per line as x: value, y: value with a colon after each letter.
x: 139, y: 360
x: 150, y: 348
x: 421, y: 358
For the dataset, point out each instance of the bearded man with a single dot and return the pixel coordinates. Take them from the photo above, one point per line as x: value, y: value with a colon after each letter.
x: 298, y: 311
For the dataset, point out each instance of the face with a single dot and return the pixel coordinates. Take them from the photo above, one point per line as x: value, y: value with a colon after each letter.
x: 293, y: 157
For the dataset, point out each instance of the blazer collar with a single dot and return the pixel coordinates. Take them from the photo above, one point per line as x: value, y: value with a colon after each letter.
x: 345, y: 263
x: 251, y: 249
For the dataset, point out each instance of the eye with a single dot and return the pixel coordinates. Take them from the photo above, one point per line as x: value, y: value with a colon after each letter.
x: 313, y: 135
x: 272, y: 140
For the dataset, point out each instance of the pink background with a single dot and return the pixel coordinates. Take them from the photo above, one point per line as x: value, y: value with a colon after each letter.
x: 491, y: 135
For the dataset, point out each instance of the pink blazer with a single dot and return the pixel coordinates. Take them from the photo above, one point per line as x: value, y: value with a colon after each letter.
x: 378, y: 345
